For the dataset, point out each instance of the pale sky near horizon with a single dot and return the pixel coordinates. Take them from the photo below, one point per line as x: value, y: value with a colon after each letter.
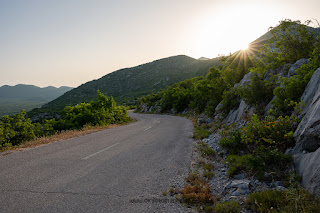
x: 70, y: 42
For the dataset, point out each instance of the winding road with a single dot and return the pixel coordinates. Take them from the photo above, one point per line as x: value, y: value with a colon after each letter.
x: 123, y: 169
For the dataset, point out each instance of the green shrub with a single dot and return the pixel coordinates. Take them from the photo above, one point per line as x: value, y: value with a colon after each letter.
x: 18, y: 128
x: 208, y: 170
x: 293, y: 200
x: 293, y: 41
x: 275, y: 133
x: 227, y: 207
x: 230, y: 100
x: 258, y: 93
x: 46, y: 128
x: 102, y: 112
x: 260, y: 161
x: 291, y: 89
x: 205, y: 150
x: 233, y: 144
x: 208, y: 166
x: 200, y: 133
x: 270, y: 132
x: 15, y: 129
x: 208, y: 174
x: 241, y: 163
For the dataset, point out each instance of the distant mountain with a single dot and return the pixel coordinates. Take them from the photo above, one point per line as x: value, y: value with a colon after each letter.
x: 30, y: 92
x: 15, y: 98
x: 128, y: 84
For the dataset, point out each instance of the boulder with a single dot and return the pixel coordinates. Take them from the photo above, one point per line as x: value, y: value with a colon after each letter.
x: 296, y: 66
x: 312, y: 90
x: 242, y: 187
x: 308, y: 167
x: 307, y: 134
x: 269, y: 106
x: 213, y: 141
x: 218, y: 107
x: 281, y: 71
x: 237, y: 114
x: 203, y: 119
x: 245, y: 80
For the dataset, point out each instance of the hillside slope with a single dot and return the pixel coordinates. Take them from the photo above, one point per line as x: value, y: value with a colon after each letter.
x: 130, y: 83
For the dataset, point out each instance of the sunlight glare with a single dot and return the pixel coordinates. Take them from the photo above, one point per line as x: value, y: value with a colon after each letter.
x: 244, y: 47
x: 228, y: 30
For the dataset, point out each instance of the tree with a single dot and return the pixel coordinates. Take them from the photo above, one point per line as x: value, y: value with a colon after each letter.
x: 290, y: 41
x: 258, y: 93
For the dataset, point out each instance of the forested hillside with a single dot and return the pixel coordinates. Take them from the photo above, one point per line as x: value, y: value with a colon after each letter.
x: 125, y: 85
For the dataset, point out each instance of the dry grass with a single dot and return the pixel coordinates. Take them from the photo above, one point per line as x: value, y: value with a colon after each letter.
x: 197, y: 192
x: 64, y: 135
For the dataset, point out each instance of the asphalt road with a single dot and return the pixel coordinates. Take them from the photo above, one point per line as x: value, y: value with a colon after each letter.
x: 123, y: 169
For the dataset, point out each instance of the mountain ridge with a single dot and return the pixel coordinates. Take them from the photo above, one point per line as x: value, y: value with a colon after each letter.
x: 127, y: 84
x: 24, y: 96
x: 27, y: 91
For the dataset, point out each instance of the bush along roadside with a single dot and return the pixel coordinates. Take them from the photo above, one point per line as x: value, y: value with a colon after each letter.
x: 18, y: 129
x: 246, y: 169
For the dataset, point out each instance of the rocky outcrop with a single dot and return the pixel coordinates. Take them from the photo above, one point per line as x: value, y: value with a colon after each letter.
x: 307, y: 134
x: 287, y: 70
x: 281, y: 71
x: 295, y: 66
x: 236, y: 115
x: 307, y: 150
x: 307, y: 137
x: 308, y: 166
x: 245, y: 80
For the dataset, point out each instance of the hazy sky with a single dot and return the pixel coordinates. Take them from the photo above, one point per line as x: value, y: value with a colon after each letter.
x: 70, y: 42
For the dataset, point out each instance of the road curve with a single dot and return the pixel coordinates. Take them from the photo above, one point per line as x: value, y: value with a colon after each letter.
x: 123, y: 169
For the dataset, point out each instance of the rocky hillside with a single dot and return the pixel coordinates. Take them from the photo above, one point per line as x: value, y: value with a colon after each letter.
x: 256, y: 137
x: 267, y: 167
x: 306, y: 151
x: 125, y: 85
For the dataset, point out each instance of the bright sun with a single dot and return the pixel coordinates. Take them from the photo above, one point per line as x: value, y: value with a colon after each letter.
x: 212, y: 36
x: 244, y: 47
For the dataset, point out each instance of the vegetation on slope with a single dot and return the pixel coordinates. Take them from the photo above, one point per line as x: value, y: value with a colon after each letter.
x: 200, y: 94
x: 17, y: 129
x: 125, y: 85
x: 205, y: 93
x: 258, y: 148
